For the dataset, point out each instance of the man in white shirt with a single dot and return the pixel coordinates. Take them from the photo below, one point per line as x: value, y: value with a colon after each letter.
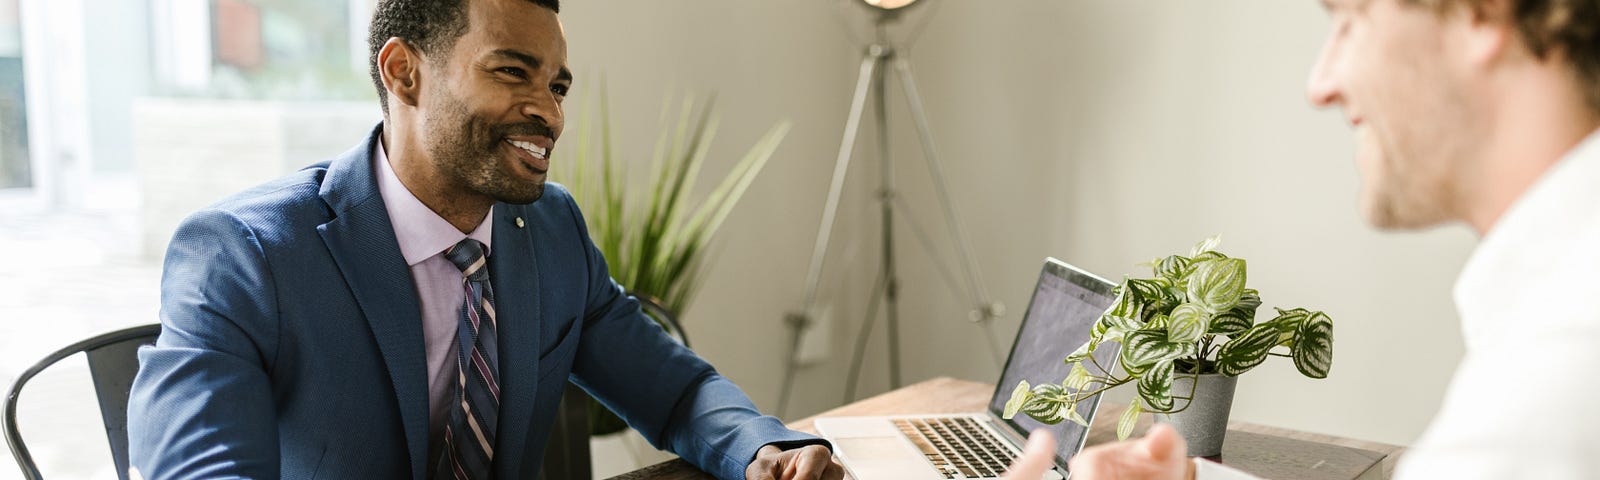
x: 1482, y: 112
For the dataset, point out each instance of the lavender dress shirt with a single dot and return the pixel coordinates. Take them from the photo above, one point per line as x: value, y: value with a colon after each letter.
x: 423, y: 237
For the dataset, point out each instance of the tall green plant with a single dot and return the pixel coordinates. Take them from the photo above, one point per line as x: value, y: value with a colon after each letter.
x: 653, y: 233
x: 1194, y: 317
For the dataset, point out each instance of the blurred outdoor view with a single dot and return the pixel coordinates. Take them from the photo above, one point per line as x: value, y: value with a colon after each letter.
x: 118, y: 117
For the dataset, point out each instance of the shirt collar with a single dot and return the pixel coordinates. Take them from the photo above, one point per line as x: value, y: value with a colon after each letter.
x: 421, y: 232
x: 1524, y: 267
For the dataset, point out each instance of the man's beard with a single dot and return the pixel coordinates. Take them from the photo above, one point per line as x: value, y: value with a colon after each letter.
x: 468, y: 150
x: 1410, y: 192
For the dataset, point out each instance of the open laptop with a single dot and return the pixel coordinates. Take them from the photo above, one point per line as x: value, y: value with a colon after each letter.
x: 1066, y: 303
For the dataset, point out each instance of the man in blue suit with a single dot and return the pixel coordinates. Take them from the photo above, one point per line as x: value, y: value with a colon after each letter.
x: 415, y: 307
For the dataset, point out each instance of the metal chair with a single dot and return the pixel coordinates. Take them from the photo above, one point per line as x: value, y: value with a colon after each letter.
x: 567, y: 456
x: 653, y: 307
x: 113, y: 362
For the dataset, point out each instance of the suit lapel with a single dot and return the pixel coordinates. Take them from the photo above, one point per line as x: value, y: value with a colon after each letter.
x: 363, y: 244
x: 514, y: 271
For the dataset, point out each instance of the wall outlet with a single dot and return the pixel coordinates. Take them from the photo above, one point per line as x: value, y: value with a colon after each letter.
x: 816, y: 341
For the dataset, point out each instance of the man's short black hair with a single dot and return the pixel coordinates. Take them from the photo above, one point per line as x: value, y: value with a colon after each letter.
x: 429, y: 25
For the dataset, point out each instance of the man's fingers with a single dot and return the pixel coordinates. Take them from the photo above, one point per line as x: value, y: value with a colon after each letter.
x: 1036, y: 457
x: 812, y: 462
x: 798, y: 467
x: 753, y: 474
x: 1163, y: 443
x: 809, y: 463
x: 835, y: 471
x: 764, y: 466
x: 1040, y: 443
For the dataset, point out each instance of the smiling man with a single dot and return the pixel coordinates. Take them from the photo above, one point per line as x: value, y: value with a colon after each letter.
x: 1481, y: 112
x: 415, y: 307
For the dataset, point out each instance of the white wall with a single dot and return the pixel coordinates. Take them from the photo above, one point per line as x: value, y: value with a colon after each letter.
x: 767, y: 62
x: 1110, y: 132
x: 1102, y: 132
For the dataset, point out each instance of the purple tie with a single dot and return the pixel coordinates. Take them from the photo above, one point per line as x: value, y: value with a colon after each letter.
x: 469, y: 437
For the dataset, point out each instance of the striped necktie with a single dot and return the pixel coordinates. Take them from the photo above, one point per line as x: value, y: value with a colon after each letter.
x: 470, y: 435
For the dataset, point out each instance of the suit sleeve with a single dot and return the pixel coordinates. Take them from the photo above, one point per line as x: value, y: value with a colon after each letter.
x: 201, y: 405
x: 674, y: 398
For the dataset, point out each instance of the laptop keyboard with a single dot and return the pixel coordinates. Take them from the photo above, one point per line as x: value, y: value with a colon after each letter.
x: 957, y: 445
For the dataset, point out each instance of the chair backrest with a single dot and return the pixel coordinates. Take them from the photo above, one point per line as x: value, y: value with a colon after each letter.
x: 567, y: 454
x: 113, y: 362
x: 663, y: 316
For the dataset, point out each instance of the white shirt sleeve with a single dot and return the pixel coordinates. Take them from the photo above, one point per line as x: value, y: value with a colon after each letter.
x: 1524, y: 409
x: 1521, y: 409
x: 1209, y: 470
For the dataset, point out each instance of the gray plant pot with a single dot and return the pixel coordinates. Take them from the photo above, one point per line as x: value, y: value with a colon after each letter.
x: 1204, y: 423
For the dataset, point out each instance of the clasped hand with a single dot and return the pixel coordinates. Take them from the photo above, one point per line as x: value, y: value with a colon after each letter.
x: 1160, y: 455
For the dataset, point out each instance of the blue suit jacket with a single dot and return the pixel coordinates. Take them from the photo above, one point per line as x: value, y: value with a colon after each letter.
x: 291, y: 343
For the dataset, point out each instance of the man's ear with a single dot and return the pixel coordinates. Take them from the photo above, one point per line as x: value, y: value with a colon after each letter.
x: 401, y: 69
x: 1490, y: 30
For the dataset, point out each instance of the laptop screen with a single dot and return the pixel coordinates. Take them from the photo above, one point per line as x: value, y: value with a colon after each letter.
x: 1066, y: 303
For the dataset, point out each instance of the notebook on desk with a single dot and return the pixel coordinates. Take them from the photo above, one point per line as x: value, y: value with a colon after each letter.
x: 1065, y: 305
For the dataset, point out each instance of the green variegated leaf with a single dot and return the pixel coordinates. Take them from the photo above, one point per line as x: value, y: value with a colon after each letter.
x: 1228, y: 324
x: 1313, y: 346
x: 1112, y: 328
x: 1083, y: 351
x: 1217, y: 285
x: 1155, y: 386
x: 1211, y: 255
x: 1143, y: 348
x: 1045, y: 405
x: 1249, y: 349
x: 1019, y: 396
x: 1293, y: 316
x: 1148, y: 288
x: 1187, y: 323
x: 1207, y: 245
x: 1072, y: 414
x: 1174, y: 268
x: 1078, y: 378
x: 1287, y: 322
x: 1179, y: 293
x: 1127, y: 305
x: 1157, y: 323
x: 1248, y: 303
x: 1239, y: 318
x: 1130, y: 418
x: 1153, y: 293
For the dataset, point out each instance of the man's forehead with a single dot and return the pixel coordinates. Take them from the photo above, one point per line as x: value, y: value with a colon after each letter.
x: 517, y: 17
x: 519, y: 26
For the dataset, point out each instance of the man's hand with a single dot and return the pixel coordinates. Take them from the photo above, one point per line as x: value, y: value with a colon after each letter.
x: 1160, y: 455
x: 1037, y: 456
x: 811, y: 462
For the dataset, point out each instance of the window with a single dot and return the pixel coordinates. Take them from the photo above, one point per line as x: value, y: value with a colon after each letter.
x: 14, y: 164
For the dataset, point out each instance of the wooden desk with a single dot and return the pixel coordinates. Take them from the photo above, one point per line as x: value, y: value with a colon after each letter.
x: 1272, y: 453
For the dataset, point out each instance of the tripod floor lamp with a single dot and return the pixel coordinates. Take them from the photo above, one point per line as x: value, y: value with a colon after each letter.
x: 878, y: 60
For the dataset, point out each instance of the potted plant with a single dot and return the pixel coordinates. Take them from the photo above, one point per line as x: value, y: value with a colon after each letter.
x: 654, y: 235
x: 1185, y: 335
